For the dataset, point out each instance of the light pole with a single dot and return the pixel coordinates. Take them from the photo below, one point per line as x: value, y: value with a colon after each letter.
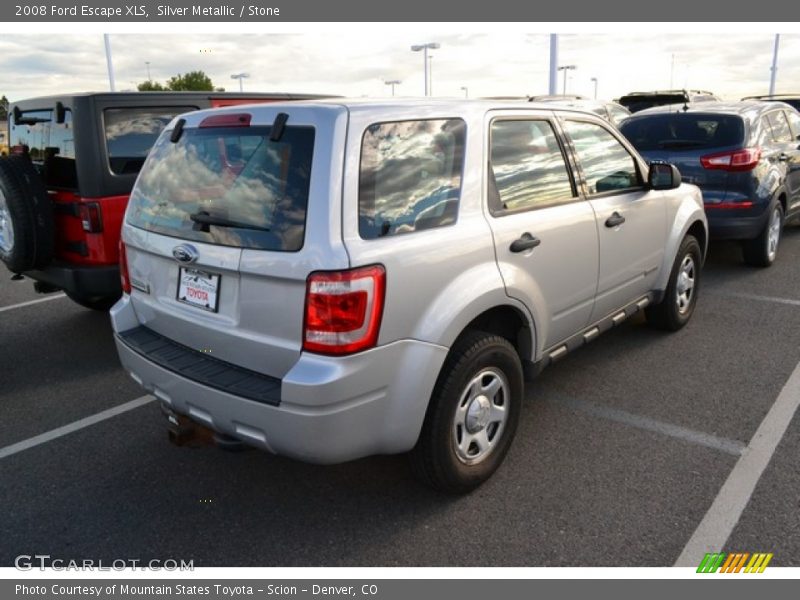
x: 240, y: 77
x: 566, y: 68
x: 424, y: 48
x: 393, y: 82
x: 594, y: 81
x: 430, y: 74
x: 774, y: 70
x: 147, y: 64
x: 466, y: 91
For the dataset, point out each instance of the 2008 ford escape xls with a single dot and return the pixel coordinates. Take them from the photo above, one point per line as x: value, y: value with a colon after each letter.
x: 337, y: 279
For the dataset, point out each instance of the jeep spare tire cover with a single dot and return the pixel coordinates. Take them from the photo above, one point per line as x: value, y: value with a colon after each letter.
x: 26, y: 216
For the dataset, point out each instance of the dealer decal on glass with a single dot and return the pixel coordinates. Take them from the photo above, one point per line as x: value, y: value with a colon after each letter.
x: 198, y: 288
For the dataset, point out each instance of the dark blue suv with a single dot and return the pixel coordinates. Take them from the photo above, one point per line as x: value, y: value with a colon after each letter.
x: 744, y: 156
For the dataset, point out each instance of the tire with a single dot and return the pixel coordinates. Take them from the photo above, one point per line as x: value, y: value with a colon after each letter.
x: 461, y: 444
x: 763, y: 250
x: 680, y: 299
x: 26, y: 216
x: 101, y: 303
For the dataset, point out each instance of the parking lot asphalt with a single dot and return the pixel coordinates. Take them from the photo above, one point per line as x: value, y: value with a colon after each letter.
x: 621, y: 452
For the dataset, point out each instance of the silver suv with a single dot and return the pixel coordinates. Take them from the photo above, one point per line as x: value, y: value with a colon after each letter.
x: 332, y: 280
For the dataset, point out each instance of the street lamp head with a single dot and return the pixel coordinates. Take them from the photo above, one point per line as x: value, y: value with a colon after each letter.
x: 429, y: 46
x: 240, y: 75
x: 392, y: 82
x: 593, y: 79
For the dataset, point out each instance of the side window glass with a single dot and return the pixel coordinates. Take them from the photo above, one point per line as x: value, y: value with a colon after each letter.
x: 410, y: 176
x: 526, y: 166
x: 780, y: 127
x: 765, y: 136
x: 607, y: 165
x: 794, y: 123
x: 50, y: 145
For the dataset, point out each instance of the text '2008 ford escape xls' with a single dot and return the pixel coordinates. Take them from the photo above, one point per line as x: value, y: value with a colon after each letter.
x: 333, y: 280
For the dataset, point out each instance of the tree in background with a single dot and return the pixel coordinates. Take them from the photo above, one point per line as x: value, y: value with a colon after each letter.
x: 3, y: 108
x: 193, y: 81
x: 150, y: 86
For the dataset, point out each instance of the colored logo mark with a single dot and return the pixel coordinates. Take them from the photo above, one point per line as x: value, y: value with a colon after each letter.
x: 735, y: 562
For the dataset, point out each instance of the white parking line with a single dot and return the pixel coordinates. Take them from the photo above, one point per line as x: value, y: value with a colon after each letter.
x: 75, y: 426
x: 29, y: 302
x: 718, y: 523
x: 734, y: 447
x: 745, y: 296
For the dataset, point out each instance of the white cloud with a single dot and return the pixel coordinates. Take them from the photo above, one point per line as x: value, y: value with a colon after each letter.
x: 354, y: 61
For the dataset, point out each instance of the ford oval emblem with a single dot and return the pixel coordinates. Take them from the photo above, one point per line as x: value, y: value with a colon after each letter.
x: 185, y: 253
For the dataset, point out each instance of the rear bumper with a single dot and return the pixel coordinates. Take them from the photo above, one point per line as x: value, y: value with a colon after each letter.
x: 82, y: 281
x: 727, y: 225
x: 332, y: 409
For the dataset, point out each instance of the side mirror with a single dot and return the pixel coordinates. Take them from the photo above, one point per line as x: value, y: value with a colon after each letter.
x: 61, y: 113
x: 663, y: 176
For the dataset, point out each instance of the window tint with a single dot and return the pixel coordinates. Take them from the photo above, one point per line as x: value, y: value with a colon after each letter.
x: 683, y: 131
x: 780, y: 127
x: 131, y: 132
x: 227, y: 186
x: 607, y: 165
x: 410, y: 176
x: 794, y: 122
x: 527, y: 168
x: 50, y: 145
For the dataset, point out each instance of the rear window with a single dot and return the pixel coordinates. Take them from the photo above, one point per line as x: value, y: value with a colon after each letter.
x: 410, y: 177
x: 637, y: 103
x: 227, y: 186
x: 131, y: 132
x: 682, y: 131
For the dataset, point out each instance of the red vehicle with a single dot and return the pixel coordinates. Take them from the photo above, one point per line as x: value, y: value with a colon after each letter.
x: 65, y: 186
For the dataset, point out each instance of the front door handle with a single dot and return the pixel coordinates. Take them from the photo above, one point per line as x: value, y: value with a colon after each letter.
x: 525, y: 242
x: 783, y: 157
x: 615, y: 219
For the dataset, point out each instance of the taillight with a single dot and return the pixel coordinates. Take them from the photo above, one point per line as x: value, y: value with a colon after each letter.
x: 739, y: 204
x: 745, y: 159
x: 125, y: 279
x: 91, y: 217
x: 343, y: 310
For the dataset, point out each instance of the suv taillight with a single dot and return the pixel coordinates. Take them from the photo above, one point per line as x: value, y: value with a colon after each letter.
x: 125, y: 279
x: 91, y: 217
x: 745, y: 159
x: 343, y: 310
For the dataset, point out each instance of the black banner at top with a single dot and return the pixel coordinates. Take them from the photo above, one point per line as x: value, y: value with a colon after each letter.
x: 259, y: 11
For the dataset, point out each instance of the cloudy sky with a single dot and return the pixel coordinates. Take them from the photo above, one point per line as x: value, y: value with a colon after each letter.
x: 356, y: 62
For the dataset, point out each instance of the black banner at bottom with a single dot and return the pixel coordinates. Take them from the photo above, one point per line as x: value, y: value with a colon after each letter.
x: 392, y: 589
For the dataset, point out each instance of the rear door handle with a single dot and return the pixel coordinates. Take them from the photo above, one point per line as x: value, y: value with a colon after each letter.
x: 783, y: 157
x: 525, y: 242
x: 615, y: 219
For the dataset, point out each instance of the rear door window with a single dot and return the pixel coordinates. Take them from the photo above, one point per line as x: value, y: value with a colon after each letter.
x: 229, y: 186
x: 527, y: 168
x: 410, y: 176
x: 606, y: 164
x: 131, y: 132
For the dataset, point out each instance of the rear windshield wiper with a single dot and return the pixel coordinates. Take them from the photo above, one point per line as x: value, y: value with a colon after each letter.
x: 204, y: 219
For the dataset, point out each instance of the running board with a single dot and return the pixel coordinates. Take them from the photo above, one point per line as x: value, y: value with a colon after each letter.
x: 589, y: 334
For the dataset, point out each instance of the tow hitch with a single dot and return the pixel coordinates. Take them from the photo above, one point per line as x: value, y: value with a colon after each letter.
x: 185, y: 432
